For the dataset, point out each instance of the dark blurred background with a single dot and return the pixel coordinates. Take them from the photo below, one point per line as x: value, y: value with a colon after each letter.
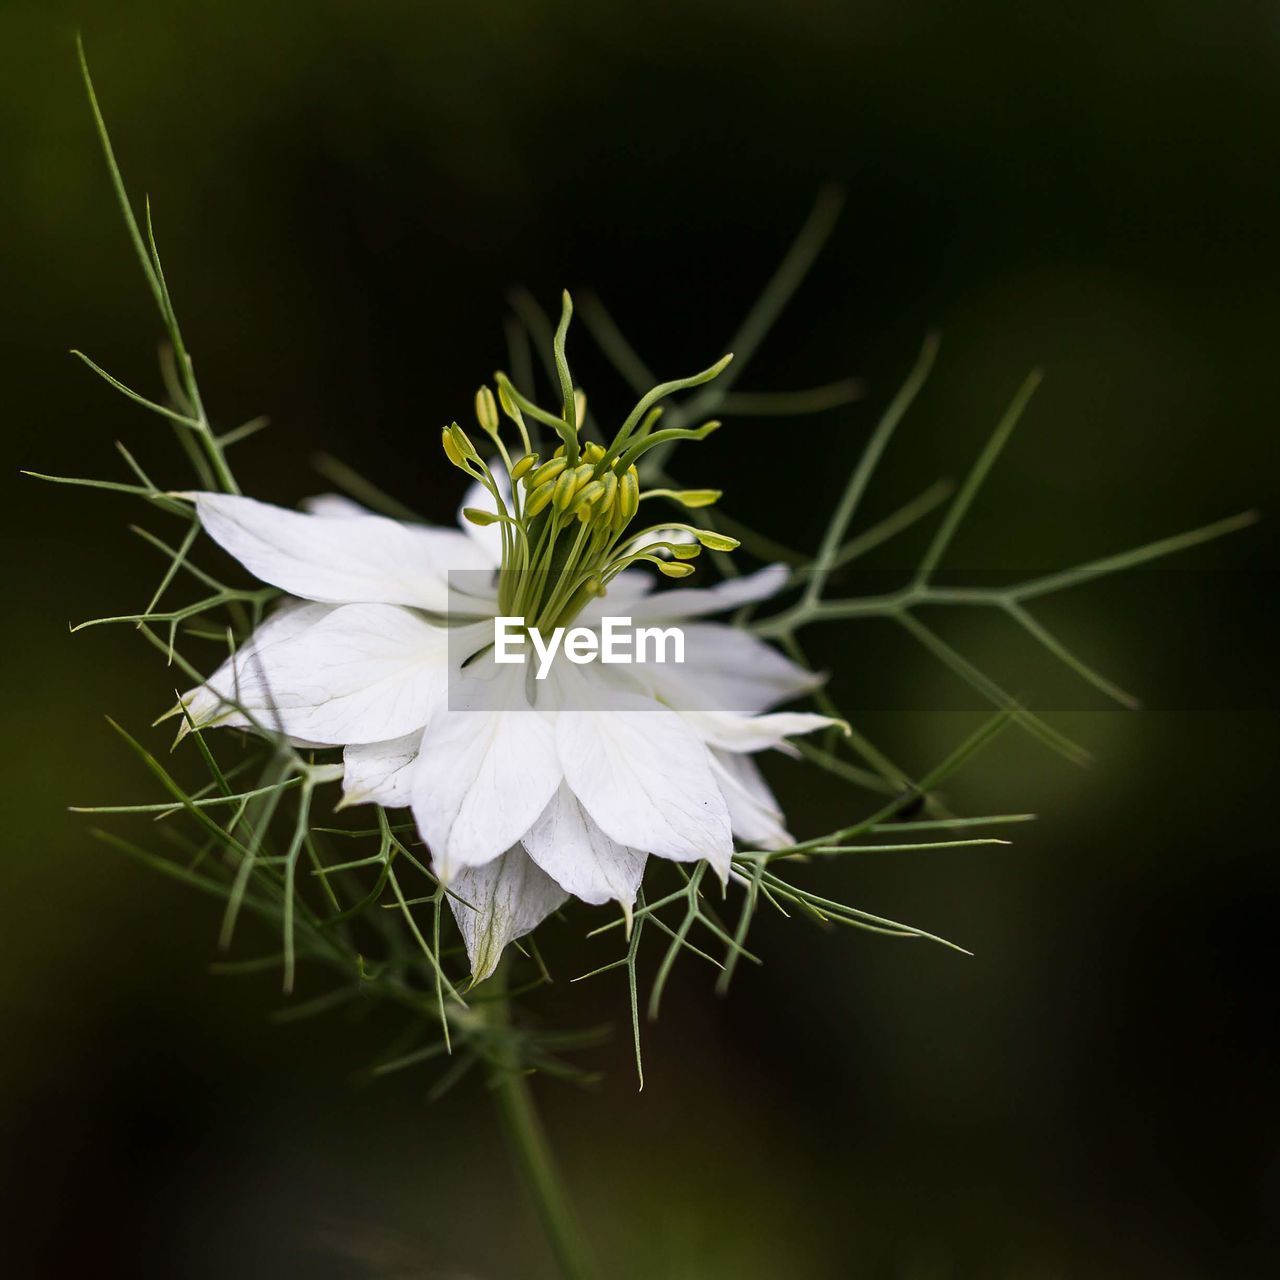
x: 344, y: 193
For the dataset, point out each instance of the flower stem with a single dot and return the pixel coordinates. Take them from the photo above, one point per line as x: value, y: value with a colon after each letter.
x: 530, y: 1148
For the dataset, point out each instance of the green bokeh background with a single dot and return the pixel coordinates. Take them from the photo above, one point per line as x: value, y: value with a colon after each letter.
x: 344, y: 193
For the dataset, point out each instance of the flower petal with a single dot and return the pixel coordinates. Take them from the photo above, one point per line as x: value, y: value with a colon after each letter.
x: 508, y: 897
x: 484, y: 776
x: 207, y: 705
x: 731, y: 732
x: 334, y: 506
x: 691, y: 602
x: 572, y: 849
x: 381, y: 772
x: 645, y: 778
x: 340, y: 560
x: 757, y: 820
x: 726, y: 669
x: 362, y: 673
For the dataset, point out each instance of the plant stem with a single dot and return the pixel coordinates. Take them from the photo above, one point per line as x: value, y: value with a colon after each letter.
x: 527, y: 1137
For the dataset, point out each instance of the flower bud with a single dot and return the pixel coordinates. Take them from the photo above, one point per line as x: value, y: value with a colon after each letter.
x: 478, y: 516
x: 674, y: 569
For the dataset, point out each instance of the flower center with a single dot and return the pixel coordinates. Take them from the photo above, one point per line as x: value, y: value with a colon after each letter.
x: 566, y: 522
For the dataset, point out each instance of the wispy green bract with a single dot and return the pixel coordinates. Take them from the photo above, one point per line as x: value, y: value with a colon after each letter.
x: 352, y: 913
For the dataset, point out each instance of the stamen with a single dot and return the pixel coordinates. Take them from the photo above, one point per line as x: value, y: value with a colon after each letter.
x: 629, y: 494
x: 487, y: 412
x: 586, y: 496
x: 524, y: 466
x: 451, y: 449
x: 548, y: 471
x: 549, y: 576
x: 691, y: 498
x: 565, y: 487
x: 539, y: 498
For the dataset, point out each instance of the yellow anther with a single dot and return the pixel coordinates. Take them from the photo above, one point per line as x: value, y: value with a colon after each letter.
x: 595, y: 586
x: 480, y: 517
x: 610, y: 482
x: 539, y: 499
x: 548, y: 471
x: 686, y: 550
x: 697, y: 497
x: 586, y: 496
x: 616, y: 519
x: 674, y: 569
x: 566, y: 487
x: 509, y: 406
x: 463, y: 443
x: 450, y: 449
x: 559, y: 453
x: 524, y: 466
x: 593, y: 452
x: 629, y: 494
x: 715, y: 541
x: 487, y: 411
x: 582, y: 475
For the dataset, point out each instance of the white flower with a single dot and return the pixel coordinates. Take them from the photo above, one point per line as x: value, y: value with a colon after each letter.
x: 524, y: 795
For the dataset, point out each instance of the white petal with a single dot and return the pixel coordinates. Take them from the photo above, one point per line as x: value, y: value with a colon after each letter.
x: 508, y: 897
x: 646, y: 779
x: 757, y: 819
x: 334, y: 506
x: 381, y: 772
x: 352, y: 559
x: 362, y: 673
x: 207, y: 704
x: 691, y: 602
x: 289, y: 618
x: 572, y: 849
x: 726, y: 669
x: 484, y: 776
x: 732, y: 732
